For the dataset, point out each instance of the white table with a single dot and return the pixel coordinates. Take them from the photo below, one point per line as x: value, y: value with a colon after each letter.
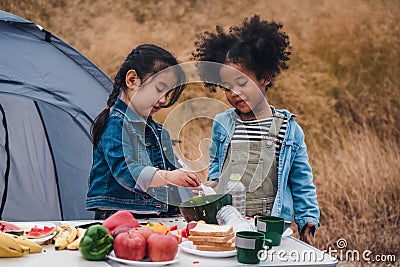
x: 291, y: 252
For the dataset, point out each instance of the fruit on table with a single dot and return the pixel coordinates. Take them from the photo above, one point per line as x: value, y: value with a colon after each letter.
x: 65, y: 236
x: 120, y: 230
x: 26, y: 243
x: 75, y: 244
x: 162, y: 247
x: 184, y: 232
x: 9, y: 247
x: 119, y: 219
x: 130, y: 246
x: 177, y: 235
x: 158, y: 227
x: 10, y: 228
x: 37, y: 232
x: 143, y: 231
x: 191, y: 225
x: 96, y: 243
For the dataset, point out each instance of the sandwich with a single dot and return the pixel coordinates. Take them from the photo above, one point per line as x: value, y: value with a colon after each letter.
x: 212, y: 237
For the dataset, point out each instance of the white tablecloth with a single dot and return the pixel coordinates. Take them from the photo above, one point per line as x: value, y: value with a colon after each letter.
x: 291, y: 252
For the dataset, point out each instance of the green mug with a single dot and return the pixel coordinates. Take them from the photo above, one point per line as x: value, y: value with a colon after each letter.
x: 249, y: 245
x: 272, y: 227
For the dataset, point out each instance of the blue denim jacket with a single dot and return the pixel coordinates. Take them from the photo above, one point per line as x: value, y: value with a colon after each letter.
x: 124, y: 162
x: 296, y: 191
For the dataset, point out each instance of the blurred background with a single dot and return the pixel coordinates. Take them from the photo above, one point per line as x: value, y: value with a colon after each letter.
x: 343, y: 83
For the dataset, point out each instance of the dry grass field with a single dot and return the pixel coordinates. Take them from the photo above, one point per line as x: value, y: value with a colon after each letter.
x: 343, y: 81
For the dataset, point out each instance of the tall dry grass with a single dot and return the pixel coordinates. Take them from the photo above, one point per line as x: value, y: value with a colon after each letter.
x: 359, y: 192
x: 343, y: 82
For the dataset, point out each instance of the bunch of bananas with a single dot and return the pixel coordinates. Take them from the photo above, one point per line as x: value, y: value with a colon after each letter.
x: 16, y: 246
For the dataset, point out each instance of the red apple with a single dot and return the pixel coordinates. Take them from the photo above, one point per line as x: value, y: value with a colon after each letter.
x: 121, y: 230
x: 162, y: 247
x: 130, y: 246
x: 144, y: 231
x: 177, y: 236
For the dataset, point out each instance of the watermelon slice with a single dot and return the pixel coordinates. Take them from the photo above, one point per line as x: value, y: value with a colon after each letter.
x: 10, y: 228
x: 37, y: 232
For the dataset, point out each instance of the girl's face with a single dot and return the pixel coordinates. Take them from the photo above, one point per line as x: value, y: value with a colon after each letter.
x: 148, y: 97
x: 243, y: 90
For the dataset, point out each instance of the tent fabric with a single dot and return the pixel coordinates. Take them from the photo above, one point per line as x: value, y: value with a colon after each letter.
x: 49, y: 97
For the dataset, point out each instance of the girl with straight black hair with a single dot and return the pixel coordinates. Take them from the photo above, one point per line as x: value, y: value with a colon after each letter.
x: 133, y: 159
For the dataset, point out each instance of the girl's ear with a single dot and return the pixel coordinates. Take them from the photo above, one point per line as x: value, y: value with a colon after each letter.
x: 132, y: 80
x: 266, y: 79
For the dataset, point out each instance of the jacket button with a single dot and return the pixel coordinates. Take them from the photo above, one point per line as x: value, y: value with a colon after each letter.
x: 164, y: 148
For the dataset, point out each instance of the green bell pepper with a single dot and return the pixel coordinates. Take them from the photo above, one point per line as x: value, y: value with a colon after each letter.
x: 96, y: 243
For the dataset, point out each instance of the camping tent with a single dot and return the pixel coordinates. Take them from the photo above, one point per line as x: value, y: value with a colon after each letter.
x: 49, y: 96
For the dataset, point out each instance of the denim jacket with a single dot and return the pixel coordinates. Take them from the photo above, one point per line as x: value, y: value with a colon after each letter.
x: 124, y: 162
x: 296, y: 191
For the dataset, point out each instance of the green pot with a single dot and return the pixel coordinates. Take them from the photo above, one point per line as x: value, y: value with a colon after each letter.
x: 204, y: 207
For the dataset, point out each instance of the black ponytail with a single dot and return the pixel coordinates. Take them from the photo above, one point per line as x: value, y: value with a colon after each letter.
x: 100, y: 121
x: 146, y: 60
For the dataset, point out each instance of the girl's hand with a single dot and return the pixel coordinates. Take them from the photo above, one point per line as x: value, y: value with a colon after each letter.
x: 307, y: 235
x: 213, y: 184
x: 181, y: 177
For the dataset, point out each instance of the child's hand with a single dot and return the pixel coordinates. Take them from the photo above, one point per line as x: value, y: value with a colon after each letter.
x: 307, y: 235
x: 213, y: 184
x: 182, y: 177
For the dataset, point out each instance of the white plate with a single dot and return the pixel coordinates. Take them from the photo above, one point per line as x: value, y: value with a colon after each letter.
x: 27, y: 226
x: 145, y: 262
x: 188, y: 247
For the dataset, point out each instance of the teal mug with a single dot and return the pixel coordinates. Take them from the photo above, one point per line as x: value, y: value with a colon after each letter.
x: 272, y: 227
x: 250, y: 245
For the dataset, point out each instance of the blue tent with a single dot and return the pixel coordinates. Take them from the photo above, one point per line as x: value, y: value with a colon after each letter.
x: 49, y: 96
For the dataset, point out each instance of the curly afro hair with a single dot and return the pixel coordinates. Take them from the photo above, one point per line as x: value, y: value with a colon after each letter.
x: 257, y: 45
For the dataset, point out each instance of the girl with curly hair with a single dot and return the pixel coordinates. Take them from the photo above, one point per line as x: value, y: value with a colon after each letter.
x: 263, y: 144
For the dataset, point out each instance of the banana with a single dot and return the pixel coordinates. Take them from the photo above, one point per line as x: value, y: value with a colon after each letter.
x: 25, y: 242
x: 66, y: 235
x: 60, y: 243
x: 75, y: 244
x: 25, y: 250
x: 9, y: 247
x: 10, y: 252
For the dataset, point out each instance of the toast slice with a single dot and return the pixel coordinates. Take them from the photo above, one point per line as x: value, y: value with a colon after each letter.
x: 211, y: 230
x: 228, y: 243
x: 215, y: 239
x: 215, y: 248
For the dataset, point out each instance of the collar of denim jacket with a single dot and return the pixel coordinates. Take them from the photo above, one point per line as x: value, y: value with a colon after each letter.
x: 235, y: 113
x: 129, y: 114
